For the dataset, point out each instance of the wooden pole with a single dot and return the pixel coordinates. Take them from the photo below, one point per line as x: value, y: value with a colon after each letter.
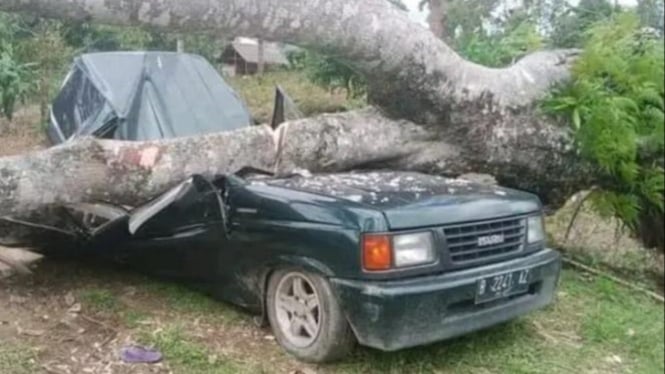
x: 261, y: 57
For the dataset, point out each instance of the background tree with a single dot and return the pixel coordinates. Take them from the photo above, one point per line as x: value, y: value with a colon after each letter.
x: 50, y: 57
x: 570, y: 27
x: 16, y: 76
x: 517, y: 37
x: 329, y: 72
x: 437, y: 17
x: 652, y: 14
x: 333, y: 73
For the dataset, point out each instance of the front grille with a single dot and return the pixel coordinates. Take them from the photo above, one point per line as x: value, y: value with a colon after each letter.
x: 462, y: 241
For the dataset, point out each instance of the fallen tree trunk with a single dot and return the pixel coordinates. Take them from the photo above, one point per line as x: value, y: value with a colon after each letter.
x: 123, y: 172
x: 462, y: 117
x: 93, y: 170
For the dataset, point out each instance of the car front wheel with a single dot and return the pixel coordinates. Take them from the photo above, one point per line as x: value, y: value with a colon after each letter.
x: 306, y: 317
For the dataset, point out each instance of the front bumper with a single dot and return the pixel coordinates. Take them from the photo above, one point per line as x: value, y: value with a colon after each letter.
x: 391, y: 315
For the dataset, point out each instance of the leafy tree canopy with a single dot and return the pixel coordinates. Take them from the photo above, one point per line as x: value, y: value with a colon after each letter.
x: 615, y: 105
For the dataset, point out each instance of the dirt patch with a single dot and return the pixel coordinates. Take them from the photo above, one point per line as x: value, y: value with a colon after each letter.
x: 605, y: 243
x: 75, y: 318
x: 65, y: 338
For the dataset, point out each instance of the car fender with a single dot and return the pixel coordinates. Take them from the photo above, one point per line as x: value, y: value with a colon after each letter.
x: 306, y: 263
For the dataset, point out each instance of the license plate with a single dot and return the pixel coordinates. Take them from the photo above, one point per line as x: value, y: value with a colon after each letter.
x: 502, y: 285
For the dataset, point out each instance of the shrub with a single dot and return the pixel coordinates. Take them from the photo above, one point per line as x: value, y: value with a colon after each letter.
x: 15, y: 80
x: 329, y: 73
x: 615, y: 104
x: 503, y: 48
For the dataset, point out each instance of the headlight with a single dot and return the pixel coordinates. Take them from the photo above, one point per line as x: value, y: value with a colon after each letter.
x: 381, y: 252
x: 413, y: 249
x: 535, y: 229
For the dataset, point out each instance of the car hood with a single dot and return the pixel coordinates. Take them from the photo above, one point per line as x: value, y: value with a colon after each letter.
x: 411, y: 200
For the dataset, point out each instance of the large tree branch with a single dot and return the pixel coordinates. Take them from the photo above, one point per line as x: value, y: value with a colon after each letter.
x: 374, y: 36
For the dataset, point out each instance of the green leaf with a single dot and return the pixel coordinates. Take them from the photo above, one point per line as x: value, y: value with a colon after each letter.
x: 577, y: 120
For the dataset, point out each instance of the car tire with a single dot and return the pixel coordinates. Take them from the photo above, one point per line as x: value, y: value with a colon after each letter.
x: 323, y: 335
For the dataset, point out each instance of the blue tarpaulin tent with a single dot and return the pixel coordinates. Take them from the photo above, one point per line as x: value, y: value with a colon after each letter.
x: 144, y: 96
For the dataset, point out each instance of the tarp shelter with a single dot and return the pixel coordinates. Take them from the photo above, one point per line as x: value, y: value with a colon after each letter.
x: 144, y: 96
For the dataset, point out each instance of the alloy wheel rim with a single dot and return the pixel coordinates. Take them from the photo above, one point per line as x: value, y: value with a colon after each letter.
x: 298, y: 309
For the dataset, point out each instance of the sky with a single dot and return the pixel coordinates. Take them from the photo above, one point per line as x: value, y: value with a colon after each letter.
x: 414, y: 13
x: 421, y: 17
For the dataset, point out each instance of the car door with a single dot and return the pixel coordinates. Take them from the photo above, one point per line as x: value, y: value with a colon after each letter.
x: 177, y: 235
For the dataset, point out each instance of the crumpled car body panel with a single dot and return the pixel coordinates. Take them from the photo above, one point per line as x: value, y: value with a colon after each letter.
x: 225, y: 234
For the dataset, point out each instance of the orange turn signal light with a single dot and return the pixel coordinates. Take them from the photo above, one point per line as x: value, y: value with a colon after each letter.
x: 377, y: 252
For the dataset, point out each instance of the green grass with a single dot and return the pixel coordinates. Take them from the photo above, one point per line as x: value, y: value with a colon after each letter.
x: 16, y: 359
x: 132, y: 318
x: 626, y: 325
x: 185, y: 300
x: 186, y: 356
x: 595, y: 326
x: 100, y: 300
x: 593, y: 323
x: 259, y: 94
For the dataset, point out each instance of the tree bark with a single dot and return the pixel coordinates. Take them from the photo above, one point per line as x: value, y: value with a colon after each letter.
x: 124, y: 173
x: 127, y: 173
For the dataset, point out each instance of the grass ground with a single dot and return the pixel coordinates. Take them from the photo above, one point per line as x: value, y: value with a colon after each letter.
x: 259, y: 94
x: 22, y: 134
x: 595, y: 326
x: 605, y: 244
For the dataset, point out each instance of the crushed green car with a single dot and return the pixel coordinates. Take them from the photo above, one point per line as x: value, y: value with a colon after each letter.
x: 387, y: 259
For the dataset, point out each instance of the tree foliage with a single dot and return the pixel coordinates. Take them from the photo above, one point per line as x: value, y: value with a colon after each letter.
x: 35, y: 53
x: 486, y: 33
x: 569, y: 28
x: 502, y: 48
x: 466, y: 18
x: 86, y: 37
x: 15, y: 80
x: 329, y: 73
x: 50, y: 55
x: 615, y: 105
x: 652, y: 14
x: 332, y: 73
x: 16, y: 76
